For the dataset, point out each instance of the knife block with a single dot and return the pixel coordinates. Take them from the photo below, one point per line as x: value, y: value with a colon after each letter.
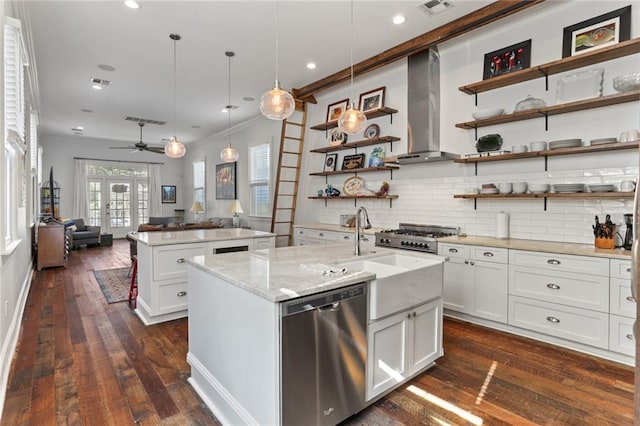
x: 605, y: 243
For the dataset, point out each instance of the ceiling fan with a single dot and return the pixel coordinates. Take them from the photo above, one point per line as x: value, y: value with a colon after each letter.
x: 141, y: 146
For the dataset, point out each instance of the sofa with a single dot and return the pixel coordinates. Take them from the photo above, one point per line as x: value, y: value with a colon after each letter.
x: 84, y: 235
x: 166, y: 223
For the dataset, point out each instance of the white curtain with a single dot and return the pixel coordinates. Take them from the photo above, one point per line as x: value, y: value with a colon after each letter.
x: 80, y: 191
x: 155, y: 201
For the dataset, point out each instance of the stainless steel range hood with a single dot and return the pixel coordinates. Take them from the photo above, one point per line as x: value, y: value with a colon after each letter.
x: 423, y: 130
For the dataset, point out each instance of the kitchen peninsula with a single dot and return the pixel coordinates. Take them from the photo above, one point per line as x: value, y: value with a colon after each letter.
x: 162, y: 271
x: 261, y: 354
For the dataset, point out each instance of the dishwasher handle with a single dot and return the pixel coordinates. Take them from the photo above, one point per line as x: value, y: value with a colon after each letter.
x: 331, y: 307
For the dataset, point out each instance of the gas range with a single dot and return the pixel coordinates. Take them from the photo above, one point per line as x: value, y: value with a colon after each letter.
x: 411, y: 236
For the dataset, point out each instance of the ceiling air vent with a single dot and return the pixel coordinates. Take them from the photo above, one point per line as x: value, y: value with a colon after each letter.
x: 145, y: 120
x: 100, y: 82
x: 432, y: 7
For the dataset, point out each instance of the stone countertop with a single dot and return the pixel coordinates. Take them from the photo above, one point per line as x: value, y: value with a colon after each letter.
x: 537, y: 245
x: 170, y: 237
x: 280, y: 274
x: 337, y: 228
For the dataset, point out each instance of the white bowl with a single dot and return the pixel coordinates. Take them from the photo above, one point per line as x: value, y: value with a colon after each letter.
x: 519, y: 149
x: 539, y: 188
x: 538, y: 146
x: 519, y: 187
x: 627, y: 82
x: 481, y: 114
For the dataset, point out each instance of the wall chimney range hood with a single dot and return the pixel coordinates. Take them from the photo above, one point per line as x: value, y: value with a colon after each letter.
x: 423, y: 129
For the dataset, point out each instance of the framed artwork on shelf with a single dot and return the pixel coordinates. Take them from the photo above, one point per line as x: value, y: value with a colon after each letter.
x: 596, y: 33
x: 226, y: 181
x: 334, y: 110
x: 372, y: 131
x: 168, y: 194
x: 371, y: 100
x: 337, y: 137
x: 506, y: 60
x: 355, y: 161
x: 330, y: 162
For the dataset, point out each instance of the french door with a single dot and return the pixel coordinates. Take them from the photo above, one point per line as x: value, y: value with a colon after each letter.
x: 118, y: 205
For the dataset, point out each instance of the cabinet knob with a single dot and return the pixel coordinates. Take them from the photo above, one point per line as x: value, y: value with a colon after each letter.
x: 346, y: 237
x: 409, y: 315
x: 181, y: 294
x: 414, y: 314
x: 181, y: 260
x: 321, y: 234
x: 553, y: 286
x: 628, y: 269
x: 553, y: 262
x: 488, y: 254
x: 466, y: 262
x: 631, y: 299
x: 365, y: 239
x: 472, y: 263
x: 300, y: 232
x: 453, y: 250
x: 553, y: 320
x: 629, y: 336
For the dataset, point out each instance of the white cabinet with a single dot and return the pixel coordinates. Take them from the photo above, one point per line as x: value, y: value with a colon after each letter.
x: 311, y: 236
x: 622, y: 308
x: 476, y: 280
x: 621, y: 335
x: 401, y: 345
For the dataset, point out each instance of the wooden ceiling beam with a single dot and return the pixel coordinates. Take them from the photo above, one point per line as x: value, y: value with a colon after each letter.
x: 481, y: 17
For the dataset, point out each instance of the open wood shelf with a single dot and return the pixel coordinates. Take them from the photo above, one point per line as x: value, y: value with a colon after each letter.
x: 356, y: 144
x: 351, y: 171
x: 551, y: 195
x: 552, y: 152
x: 369, y: 114
x: 352, y: 197
x: 619, y: 50
x: 602, y: 101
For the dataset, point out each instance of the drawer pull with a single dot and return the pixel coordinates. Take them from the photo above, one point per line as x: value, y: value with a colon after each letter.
x: 453, y: 250
x: 553, y: 286
x: 472, y: 263
x: 628, y: 269
x: 181, y: 294
x: 346, y: 237
x: 409, y: 315
x: 300, y: 232
x: 466, y: 262
x: 629, y: 336
x: 181, y: 260
x: 553, y: 262
x: 488, y: 254
x: 631, y: 299
x: 553, y: 320
x: 321, y: 234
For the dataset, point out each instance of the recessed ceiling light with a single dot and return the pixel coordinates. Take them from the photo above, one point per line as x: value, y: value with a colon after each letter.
x: 132, y: 4
x: 96, y: 87
x: 399, y: 19
x: 105, y: 67
x: 78, y: 129
x: 311, y: 66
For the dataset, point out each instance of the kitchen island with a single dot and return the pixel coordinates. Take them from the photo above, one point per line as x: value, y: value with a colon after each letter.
x: 238, y: 338
x: 162, y: 271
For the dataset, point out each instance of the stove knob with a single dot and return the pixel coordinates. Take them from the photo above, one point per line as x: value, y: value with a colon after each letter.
x: 412, y: 244
x: 403, y: 243
x: 421, y: 245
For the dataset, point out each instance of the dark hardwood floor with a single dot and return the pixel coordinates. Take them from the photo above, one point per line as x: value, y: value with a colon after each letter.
x: 82, y: 361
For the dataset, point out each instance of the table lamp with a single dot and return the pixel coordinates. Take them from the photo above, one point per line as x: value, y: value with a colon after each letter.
x: 236, y: 208
x: 196, y: 208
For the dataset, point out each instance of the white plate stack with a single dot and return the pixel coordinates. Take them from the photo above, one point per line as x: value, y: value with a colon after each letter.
x: 601, y: 188
x: 565, y: 143
x: 602, y: 141
x: 568, y: 188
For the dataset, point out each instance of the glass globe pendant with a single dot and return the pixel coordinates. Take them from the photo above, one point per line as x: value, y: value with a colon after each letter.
x: 175, y: 148
x: 277, y: 104
x: 352, y: 121
x: 229, y: 154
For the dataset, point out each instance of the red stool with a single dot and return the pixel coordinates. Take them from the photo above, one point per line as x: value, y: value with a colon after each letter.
x: 133, y: 289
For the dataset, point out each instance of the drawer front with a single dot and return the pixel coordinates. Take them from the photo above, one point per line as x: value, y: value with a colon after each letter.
x: 453, y: 250
x: 578, y: 325
x: 621, y: 335
x: 168, y: 261
x: 579, y: 290
x: 489, y: 254
x: 621, y: 300
x: 315, y: 233
x: 264, y: 243
x: 620, y: 268
x: 560, y: 262
x: 172, y: 297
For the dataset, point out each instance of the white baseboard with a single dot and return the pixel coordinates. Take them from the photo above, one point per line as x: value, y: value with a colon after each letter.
x: 11, y: 341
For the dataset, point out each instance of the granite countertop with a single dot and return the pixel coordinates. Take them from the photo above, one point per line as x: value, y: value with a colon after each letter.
x: 169, y: 237
x: 337, y: 228
x: 280, y: 274
x: 537, y: 245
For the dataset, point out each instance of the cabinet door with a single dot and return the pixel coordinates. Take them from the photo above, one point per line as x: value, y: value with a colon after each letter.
x: 263, y: 243
x: 425, y: 339
x: 621, y: 300
x: 491, y: 289
x: 458, y: 285
x: 386, y: 355
x: 621, y: 335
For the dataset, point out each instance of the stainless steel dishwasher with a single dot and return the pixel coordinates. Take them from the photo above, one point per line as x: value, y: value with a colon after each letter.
x: 324, y: 350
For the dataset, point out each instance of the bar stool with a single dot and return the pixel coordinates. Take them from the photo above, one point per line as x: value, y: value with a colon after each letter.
x: 133, y: 288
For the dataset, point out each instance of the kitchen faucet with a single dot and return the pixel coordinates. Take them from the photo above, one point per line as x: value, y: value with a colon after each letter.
x: 367, y: 225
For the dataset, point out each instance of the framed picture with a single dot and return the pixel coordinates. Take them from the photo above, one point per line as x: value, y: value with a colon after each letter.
x: 507, y: 59
x: 337, y: 137
x: 334, y: 110
x: 226, y: 181
x: 168, y: 194
x: 330, y: 162
x: 596, y: 33
x: 355, y: 161
x: 372, y: 100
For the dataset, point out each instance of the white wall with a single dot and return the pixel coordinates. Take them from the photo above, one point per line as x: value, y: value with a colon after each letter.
x: 426, y: 190
x: 59, y: 152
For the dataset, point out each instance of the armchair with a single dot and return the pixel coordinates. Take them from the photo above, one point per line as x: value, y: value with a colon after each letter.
x: 84, y: 234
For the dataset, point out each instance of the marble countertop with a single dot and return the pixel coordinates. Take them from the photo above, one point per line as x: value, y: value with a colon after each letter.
x: 160, y: 238
x: 337, y: 228
x: 537, y: 245
x: 279, y: 274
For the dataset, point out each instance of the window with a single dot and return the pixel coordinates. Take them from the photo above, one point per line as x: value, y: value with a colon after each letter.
x: 143, y: 202
x: 259, y: 172
x: 95, y: 202
x: 199, y: 182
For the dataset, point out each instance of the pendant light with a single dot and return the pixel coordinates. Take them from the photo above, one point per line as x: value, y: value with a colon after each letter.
x: 352, y: 120
x: 175, y: 148
x: 229, y: 154
x: 277, y: 104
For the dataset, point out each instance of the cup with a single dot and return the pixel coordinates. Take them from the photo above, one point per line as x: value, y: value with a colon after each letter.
x: 505, y: 187
x: 630, y: 136
x: 627, y: 186
x: 517, y: 149
x: 520, y: 187
x: 538, y: 146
